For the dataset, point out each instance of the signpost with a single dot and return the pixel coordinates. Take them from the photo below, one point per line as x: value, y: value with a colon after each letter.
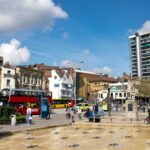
x: 44, y: 107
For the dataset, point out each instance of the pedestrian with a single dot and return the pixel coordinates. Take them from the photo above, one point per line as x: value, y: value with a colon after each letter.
x: 68, y: 112
x: 148, y: 110
x: 91, y: 108
x: 48, y: 111
x: 96, y: 109
x: 72, y: 115
x: 91, y: 116
x: 28, y: 115
x: 117, y: 106
x: 148, y: 118
x: 79, y: 113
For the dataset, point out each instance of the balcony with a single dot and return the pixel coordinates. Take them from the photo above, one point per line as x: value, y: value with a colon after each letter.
x: 7, y: 75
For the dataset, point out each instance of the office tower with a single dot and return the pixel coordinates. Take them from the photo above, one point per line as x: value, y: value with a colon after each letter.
x: 140, y: 54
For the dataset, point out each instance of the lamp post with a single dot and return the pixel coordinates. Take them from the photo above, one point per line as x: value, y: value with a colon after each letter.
x: 75, y: 79
x: 122, y: 90
x: 109, y: 103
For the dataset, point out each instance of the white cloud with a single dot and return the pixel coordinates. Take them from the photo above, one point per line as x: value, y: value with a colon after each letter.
x: 104, y: 70
x: 66, y: 35
x: 86, y: 51
x: 67, y: 63
x: 24, y: 14
x: 145, y: 27
x: 13, y: 52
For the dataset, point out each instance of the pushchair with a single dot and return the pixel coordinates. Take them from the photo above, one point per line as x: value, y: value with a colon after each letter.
x: 147, y: 119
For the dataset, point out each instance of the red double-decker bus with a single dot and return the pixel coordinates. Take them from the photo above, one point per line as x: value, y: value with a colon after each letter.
x: 20, y: 98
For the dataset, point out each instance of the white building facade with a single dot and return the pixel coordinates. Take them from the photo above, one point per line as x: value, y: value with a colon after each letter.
x: 7, y: 77
x: 61, y: 84
x: 118, y: 91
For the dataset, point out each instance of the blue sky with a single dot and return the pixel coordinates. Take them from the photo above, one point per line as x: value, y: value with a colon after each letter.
x: 94, y: 31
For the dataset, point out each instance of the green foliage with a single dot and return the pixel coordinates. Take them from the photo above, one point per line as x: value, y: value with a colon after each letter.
x: 6, y: 112
x: 20, y: 117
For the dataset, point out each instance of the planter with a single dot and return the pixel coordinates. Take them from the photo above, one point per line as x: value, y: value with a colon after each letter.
x: 19, y: 121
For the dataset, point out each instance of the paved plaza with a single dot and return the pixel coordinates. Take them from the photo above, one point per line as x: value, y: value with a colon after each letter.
x: 58, y: 119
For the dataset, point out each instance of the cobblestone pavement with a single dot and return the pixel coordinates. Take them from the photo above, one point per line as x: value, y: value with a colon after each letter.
x: 58, y: 119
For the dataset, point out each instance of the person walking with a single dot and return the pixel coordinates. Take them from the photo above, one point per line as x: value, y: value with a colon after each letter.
x: 79, y: 113
x: 72, y: 115
x: 68, y: 112
x: 28, y: 115
x: 148, y: 110
x: 48, y: 111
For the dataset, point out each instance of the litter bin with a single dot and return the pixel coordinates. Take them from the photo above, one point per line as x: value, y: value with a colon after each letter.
x: 13, y: 120
x: 97, y: 119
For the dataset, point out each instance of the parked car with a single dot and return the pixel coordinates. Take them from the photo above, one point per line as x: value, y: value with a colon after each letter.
x: 82, y: 106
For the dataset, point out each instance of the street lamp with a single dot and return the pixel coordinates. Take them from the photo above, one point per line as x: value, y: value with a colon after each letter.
x: 122, y: 90
x: 109, y: 103
x: 74, y: 65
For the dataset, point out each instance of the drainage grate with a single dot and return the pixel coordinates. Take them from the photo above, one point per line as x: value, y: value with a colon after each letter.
x: 63, y: 138
x: 128, y: 136
x: 56, y: 132
x: 32, y: 146
x: 74, y: 145
x: 113, y: 144
x: 30, y: 138
x: 76, y: 128
x: 111, y: 132
x: 96, y: 137
x: 85, y: 132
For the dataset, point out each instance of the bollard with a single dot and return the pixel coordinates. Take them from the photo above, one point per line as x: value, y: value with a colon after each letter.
x: 13, y: 120
x: 111, y: 120
x: 131, y: 120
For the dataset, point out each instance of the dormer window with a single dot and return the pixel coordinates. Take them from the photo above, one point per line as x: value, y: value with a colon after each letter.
x: 55, y: 77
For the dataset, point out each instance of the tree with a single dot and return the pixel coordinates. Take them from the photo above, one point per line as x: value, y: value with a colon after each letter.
x: 142, y: 86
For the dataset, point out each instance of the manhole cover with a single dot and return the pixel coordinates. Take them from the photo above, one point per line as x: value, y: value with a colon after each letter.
x: 32, y: 146
x: 74, y: 145
x: 113, y: 144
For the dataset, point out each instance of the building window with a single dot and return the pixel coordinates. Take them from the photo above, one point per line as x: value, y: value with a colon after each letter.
x: 8, y: 72
x: 124, y: 94
x: 8, y: 82
x: 55, y: 77
x: 111, y: 94
x: 120, y: 94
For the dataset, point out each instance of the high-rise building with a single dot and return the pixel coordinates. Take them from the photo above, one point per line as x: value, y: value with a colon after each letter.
x: 140, y: 54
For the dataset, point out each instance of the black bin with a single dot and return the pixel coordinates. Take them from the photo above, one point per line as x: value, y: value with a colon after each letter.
x: 97, y: 119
